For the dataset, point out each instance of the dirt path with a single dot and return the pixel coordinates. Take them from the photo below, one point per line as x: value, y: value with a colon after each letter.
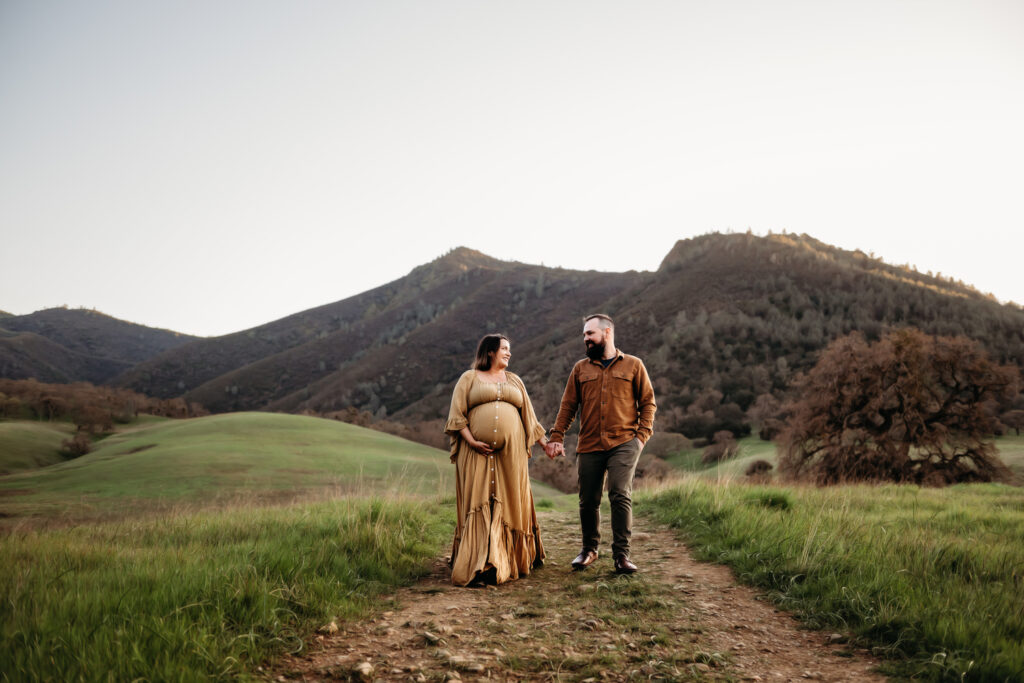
x: 678, y: 619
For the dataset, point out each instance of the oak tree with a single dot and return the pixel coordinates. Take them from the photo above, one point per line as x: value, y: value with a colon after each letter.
x: 907, y: 408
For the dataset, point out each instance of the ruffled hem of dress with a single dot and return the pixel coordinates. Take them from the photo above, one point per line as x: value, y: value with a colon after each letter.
x: 521, y: 551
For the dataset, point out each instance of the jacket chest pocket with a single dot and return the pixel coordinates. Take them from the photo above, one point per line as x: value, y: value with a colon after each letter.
x: 590, y: 387
x: 620, y: 384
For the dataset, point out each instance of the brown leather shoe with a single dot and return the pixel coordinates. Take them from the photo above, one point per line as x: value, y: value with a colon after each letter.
x: 623, y: 565
x: 584, y: 560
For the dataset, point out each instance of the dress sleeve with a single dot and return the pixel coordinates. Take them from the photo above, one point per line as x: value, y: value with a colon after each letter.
x: 533, y: 429
x: 458, y: 413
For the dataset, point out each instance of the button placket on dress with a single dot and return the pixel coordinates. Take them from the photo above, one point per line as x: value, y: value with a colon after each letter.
x: 494, y: 443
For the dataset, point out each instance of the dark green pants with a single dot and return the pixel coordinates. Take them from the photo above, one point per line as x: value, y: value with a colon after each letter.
x: 619, y: 463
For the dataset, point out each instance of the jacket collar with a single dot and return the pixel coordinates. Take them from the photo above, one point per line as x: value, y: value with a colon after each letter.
x: 618, y: 357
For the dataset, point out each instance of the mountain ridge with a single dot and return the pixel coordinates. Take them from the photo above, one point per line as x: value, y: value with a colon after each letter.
x: 724, y: 324
x: 725, y: 320
x: 77, y: 344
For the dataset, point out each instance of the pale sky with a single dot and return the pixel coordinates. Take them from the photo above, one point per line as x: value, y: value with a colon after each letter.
x: 209, y: 166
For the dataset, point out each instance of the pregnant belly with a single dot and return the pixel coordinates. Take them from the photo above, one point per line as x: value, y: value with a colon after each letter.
x: 494, y: 423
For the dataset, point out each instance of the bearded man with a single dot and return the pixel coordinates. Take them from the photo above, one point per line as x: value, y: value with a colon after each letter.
x: 615, y: 400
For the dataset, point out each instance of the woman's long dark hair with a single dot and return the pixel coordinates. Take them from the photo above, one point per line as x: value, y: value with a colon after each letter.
x: 488, y: 345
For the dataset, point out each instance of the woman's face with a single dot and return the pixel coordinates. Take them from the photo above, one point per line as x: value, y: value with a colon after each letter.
x: 501, y: 357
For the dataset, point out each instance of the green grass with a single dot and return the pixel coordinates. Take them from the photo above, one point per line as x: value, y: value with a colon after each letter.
x: 1011, y: 450
x: 547, y: 497
x: 222, y: 579
x: 751, y: 448
x: 26, y: 445
x: 201, y: 596
x: 225, y: 458
x: 933, y: 578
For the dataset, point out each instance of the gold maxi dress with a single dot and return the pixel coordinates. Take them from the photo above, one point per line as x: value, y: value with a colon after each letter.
x: 496, y: 524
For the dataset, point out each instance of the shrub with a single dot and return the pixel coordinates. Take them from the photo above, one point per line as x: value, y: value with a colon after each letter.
x: 758, y: 468
x: 652, y: 468
x: 778, y: 500
x: 770, y: 429
x: 723, y: 447
x: 77, y: 446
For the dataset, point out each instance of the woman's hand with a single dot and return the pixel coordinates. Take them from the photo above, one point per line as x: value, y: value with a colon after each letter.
x: 479, y: 446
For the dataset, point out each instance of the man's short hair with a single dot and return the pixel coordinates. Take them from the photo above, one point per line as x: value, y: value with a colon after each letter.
x: 606, y: 321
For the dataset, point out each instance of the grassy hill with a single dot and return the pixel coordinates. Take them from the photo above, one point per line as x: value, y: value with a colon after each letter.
x: 70, y: 345
x: 1010, y: 448
x: 225, y: 459
x: 725, y: 319
x: 31, y: 445
x: 750, y: 448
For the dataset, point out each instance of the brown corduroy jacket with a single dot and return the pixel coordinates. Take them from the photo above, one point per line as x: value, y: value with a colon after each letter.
x: 615, y: 404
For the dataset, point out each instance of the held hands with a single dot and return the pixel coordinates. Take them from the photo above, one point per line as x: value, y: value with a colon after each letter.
x: 554, y: 449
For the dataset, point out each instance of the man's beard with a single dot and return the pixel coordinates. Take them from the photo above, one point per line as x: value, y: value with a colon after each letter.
x: 595, y: 350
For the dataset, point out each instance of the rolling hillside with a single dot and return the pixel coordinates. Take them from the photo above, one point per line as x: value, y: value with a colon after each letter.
x: 723, y: 324
x: 28, y: 445
x: 70, y: 345
x: 224, y: 458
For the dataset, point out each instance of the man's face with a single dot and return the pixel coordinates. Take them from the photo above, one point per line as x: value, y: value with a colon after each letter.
x: 594, y: 338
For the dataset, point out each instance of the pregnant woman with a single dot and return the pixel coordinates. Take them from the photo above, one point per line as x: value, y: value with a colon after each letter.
x: 491, y: 426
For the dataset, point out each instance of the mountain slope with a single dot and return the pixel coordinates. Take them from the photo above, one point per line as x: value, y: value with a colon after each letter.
x: 68, y: 345
x: 376, y: 316
x: 536, y: 306
x: 729, y: 318
x: 724, y: 324
x: 27, y: 355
